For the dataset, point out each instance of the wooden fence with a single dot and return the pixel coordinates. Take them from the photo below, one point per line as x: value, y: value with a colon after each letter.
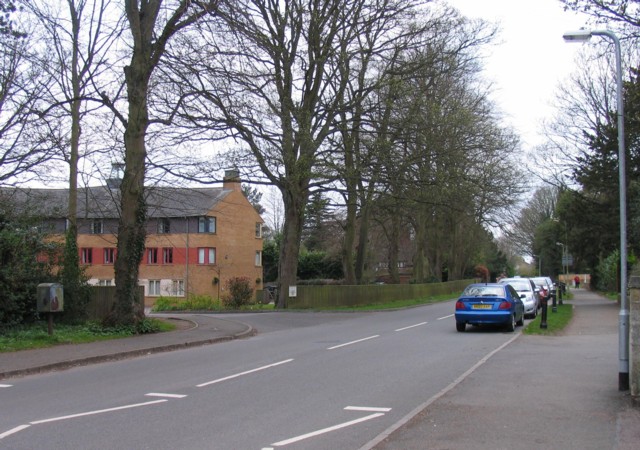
x: 102, y: 300
x: 334, y: 296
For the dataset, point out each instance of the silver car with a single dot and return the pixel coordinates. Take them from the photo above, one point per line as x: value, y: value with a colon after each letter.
x: 546, y: 283
x: 526, y: 289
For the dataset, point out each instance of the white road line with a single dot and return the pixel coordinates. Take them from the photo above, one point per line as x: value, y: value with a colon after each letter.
x: 411, y: 326
x: 325, y: 430
x: 100, y: 411
x: 353, y: 342
x: 446, y: 317
x: 13, y: 430
x: 156, y: 394
x: 385, y: 434
x: 244, y: 373
x: 5, y: 385
x: 366, y: 408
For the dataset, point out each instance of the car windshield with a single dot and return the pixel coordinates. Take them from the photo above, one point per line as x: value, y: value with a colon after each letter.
x: 483, y: 291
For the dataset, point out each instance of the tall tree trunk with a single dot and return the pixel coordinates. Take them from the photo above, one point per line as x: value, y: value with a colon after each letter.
x: 349, y: 239
x: 295, y: 201
x: 363, y: 239
x: 131, y: 227
x: 74, y: 308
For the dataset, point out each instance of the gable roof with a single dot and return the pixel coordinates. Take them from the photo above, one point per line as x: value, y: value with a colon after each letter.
x: 104, y: 203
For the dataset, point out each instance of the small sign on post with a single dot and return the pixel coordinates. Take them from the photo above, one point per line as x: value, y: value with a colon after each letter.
x: 50, y: 299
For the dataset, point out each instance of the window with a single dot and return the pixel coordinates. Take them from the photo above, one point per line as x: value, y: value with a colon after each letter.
x: 206, y: 255
x: 154, y: 287
x: 258, y: 258
x: 109, y: 255
x: 86, y: 255
x: 105, y: 283
x: 177, y: 288
x: 97, y: 227
x: 206, y: 225
x: 164, y: 226
x: 152, y: 256
x: 167, y: 255
x: 258, y: 230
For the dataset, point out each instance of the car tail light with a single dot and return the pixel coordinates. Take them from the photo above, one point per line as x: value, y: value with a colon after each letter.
x: 459, y: 305
x: 504, y: 305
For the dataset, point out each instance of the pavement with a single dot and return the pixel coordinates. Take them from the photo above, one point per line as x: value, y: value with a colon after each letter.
x: 191, y: 330
x: 547, y: 392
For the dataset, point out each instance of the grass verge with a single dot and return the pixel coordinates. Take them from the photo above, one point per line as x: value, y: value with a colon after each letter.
x: 36, y: 335
x: 395, y: 304
x: 556, y: 321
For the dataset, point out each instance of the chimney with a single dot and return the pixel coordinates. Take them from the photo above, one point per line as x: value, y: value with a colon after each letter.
x: 231, y: 180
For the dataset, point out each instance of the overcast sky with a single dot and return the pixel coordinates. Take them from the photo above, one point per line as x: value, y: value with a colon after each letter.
x: 530, y: 58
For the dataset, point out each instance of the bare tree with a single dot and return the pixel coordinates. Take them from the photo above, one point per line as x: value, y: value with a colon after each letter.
x: 76, y: 41
x: 22, y: 88
x: 152, y: 23
x: 276, y: 84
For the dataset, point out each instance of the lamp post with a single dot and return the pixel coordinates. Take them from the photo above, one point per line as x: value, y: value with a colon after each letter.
x: 563, y: 257
x: 623, y: 317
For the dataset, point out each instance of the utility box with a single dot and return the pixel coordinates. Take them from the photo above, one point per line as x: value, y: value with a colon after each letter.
x: 50, y: 297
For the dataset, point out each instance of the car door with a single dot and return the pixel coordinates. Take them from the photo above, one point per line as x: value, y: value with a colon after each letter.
x: 519, y: 305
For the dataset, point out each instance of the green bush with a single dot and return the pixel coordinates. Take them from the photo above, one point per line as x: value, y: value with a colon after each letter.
x: 193, y: 303
x: 239, y: 293
x: 24, y: 263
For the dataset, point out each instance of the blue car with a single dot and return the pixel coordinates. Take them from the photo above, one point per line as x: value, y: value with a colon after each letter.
x: 489, y: 303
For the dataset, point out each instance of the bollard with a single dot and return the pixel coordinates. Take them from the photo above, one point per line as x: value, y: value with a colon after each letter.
x: 559, y: 289
x: 543, y: 318
x: 554, y: 307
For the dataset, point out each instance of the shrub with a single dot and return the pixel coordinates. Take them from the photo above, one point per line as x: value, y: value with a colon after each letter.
x: 239, y: 293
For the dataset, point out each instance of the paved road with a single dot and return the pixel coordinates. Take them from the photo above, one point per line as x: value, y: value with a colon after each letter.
x: 306, y: 381
x: 416, y: 382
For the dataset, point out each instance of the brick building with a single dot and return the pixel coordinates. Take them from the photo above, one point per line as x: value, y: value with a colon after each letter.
x: 197, y: 238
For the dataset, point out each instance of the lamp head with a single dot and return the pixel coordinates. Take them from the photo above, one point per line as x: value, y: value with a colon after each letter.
x: 581, y: 35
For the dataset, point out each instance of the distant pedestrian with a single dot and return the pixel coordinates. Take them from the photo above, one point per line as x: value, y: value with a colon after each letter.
x: 576, y: 280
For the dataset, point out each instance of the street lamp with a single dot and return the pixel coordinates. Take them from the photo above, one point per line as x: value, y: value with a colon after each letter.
x: 563, y: 258
x: 623, y: 318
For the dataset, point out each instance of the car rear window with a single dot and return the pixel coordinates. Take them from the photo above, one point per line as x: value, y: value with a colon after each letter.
x: 520, y: 285
x: 483, y: 291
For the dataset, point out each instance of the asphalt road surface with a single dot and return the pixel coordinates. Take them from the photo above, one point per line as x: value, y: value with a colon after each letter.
x: 306, y: 381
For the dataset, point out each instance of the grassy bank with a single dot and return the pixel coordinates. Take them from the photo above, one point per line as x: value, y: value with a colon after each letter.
x: 36, y: 335
x: 556, y: 321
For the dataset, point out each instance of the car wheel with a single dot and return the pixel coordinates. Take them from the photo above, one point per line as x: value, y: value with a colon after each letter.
x: 511, y: 326
x: 461, y: 326
x: 521, y: 321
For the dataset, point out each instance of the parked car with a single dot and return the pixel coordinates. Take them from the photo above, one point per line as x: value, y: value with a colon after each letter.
x: 526, y: 289
x: 545, y: 286
x: 489, y: 303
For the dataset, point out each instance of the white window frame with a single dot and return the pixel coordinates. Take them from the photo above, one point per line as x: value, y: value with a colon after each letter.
x: 86, y: 255
x: 164, y: 225
x: 177, y: 288
x: 154, y: 288
x: 167, y: 254
x: 258, y: 260
x: 206, y: 255
x: 152, y: 255
x: 97, y: 226
x: 207, y: 224
x: 109, y: 255
x: 258, y: 230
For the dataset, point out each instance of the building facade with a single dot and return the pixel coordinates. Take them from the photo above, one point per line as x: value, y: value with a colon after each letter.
x: 197, y: 239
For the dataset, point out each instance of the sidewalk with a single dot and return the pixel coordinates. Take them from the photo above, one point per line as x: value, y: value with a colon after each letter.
x: 194, y: 330
x: 553, y: 392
